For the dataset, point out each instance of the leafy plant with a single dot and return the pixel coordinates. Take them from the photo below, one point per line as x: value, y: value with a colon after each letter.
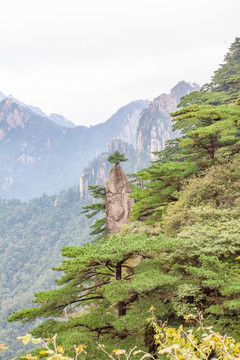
x: 198, y: 342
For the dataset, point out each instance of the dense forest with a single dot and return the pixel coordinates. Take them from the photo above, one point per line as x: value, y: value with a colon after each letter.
x: 179, y: 253
x: 26, y: 262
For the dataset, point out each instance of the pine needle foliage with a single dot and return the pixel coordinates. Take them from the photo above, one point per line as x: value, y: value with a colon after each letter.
x: 98, y: 192
x: 103, y: 288
x: 116, y: 158
x: 161, y: 185
x: 225, y: 85
x: 210, y: 132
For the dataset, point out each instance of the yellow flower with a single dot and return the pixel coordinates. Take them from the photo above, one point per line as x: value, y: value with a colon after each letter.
x: 152, y: 308
x: 80, y: 348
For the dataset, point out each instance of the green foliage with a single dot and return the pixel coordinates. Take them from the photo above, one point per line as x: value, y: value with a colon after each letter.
x: 107, y: 285
x: 105, y: 279
x: 116, y: 158
x: 210, y: 132
x: 161, y: 185
x: 226, y: 78
x: 98, y: 192
x: 214, y: 196
x: 31, y: 236
x: 225, y: 85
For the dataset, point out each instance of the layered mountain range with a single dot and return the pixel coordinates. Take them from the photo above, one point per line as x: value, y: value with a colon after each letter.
x: 40, y: 154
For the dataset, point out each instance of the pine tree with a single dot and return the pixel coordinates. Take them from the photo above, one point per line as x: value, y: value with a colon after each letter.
x: 104, y: 289
x: 116, y: 158
x: 98, y: 192
x: 161, y: 185
x: 210, y: 132
x: 225, y: 85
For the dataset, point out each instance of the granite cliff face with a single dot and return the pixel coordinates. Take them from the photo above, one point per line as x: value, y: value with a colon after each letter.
x: 155, y: 126
x: 118, y: 203
x: 122, y: 125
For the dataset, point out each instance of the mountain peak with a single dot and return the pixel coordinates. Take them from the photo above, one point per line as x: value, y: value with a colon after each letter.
x: 12, y: 114
x: 6, y: 103
x: 182, y: 88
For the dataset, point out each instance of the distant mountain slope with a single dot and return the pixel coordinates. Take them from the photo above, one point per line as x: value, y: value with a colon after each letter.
x: 38, y: 156
x: 61, y: 120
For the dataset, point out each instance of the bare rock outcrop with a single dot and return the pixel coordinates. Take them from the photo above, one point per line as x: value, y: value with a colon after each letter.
x: 118, y: 202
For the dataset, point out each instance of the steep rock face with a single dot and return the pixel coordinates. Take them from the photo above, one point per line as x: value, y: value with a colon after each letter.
x: 155, y: 126
x: 12, y: 116
x: 97, y: 172
x: 118, y: 203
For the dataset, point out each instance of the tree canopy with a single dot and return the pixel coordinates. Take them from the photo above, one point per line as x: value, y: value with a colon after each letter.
x: 116, y: 158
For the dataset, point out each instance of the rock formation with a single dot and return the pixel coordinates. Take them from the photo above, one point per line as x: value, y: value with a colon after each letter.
x: 155, y: 125
x: 118, y: 202
x: 97, y: 171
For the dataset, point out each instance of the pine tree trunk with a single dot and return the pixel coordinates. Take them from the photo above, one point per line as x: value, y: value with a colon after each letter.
x: 121, y: 305
x: 121, y: 308
x: 118, y: 273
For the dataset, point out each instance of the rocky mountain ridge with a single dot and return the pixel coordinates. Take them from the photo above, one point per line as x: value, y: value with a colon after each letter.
x: 38, y: 156
x: 56, y: 118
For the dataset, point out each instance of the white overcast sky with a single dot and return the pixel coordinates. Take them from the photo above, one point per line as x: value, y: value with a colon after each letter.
x: 86, y: 58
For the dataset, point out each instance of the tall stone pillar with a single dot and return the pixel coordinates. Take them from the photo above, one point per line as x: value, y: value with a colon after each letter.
x: 118, y: 202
